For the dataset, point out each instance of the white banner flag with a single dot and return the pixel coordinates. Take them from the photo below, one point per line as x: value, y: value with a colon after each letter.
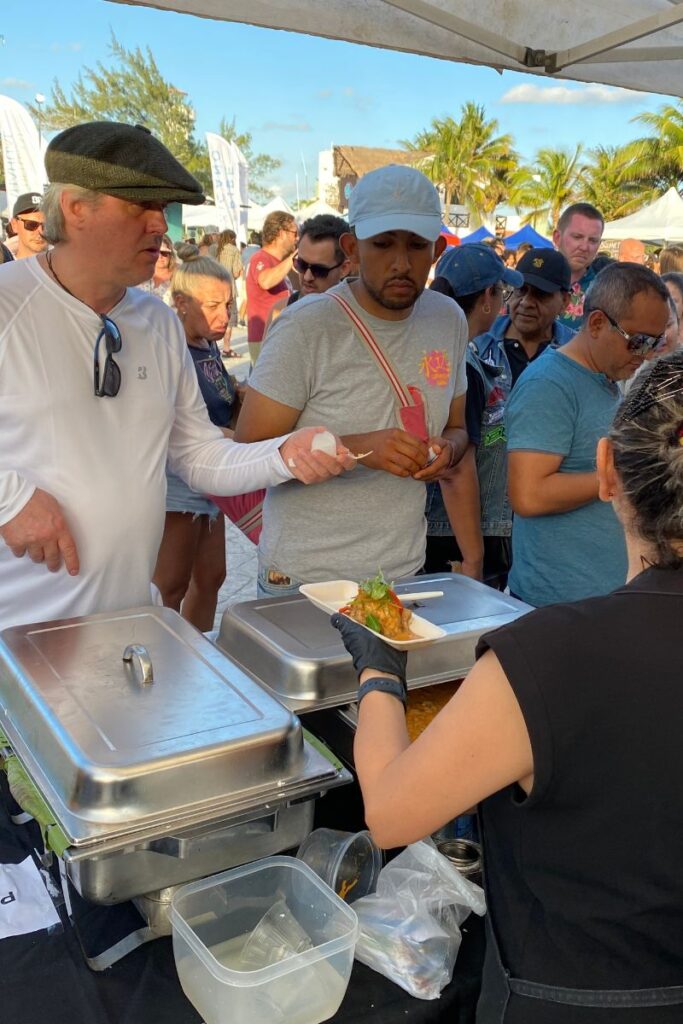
x: 21, y: 151
x: 243, y: 177
x: 226, y: 185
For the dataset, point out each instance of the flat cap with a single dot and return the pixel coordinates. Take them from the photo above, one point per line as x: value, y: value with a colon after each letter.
x: 121, y: 160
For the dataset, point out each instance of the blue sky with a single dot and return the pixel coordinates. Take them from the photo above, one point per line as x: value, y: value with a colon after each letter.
x: 298, y: 94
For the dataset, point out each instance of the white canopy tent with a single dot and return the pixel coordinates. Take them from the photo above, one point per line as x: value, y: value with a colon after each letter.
x: 257, y: 214
x: 637, y: 44
x: 314, y: 210
x: 661, y: 221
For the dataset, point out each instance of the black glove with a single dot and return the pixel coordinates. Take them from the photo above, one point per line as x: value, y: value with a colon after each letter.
x: 368, y: 650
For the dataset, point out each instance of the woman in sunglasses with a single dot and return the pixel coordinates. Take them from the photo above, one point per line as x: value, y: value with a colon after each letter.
x: 566, y: 733
x: 190, y: 566
x: 159, y: 283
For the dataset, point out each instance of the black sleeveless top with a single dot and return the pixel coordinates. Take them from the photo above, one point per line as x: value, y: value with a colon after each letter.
x: 585, y: 876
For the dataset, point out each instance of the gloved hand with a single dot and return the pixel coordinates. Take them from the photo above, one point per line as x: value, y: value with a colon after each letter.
x: 368, y: 650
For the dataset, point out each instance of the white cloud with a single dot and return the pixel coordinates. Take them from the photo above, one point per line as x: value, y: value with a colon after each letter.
x: 15, y: 83
x: 70, y: 47
x: 565, y: 95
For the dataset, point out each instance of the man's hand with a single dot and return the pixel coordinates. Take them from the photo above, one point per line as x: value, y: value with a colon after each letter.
x: 314, y: 467
x: 443, y: 449
x: 395, y: 451
x: 40, y: 531
x: 473, y: 569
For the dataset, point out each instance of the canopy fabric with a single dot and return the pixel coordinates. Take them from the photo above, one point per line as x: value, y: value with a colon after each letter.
x: 480, y: 235
x: 637, y: 44
x: 315, y: 210
x: 257, y: 216
x: 661, y: 221
x: 205, y: 216
x: 527, y: 236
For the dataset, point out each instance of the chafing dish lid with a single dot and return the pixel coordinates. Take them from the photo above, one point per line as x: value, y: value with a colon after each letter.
x: 116, y: 741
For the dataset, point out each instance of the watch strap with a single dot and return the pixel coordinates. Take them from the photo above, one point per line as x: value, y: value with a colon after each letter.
x: 381, y: 684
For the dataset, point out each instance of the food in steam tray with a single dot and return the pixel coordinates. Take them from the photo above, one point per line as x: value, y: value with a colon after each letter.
x: 378, y: 607
x: 424, y: 705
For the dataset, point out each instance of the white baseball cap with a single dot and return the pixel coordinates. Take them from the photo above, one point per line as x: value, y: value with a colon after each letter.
x: 395, y: 198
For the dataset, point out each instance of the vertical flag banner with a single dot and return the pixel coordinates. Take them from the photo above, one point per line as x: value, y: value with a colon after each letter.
x: 226, y: 185
x: 243, y: 176
x: 21, y: 151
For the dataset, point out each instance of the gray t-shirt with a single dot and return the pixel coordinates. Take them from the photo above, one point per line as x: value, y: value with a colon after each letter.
x: 314, y: 361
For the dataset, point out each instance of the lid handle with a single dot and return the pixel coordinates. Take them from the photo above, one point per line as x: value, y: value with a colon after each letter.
x: 144, y: 662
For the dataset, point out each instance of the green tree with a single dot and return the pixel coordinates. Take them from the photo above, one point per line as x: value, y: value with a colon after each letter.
x: 131, y: 88
x: 606, y: 182
x: 467, y: 158
x: 546, y: 187
x: 656, y: 160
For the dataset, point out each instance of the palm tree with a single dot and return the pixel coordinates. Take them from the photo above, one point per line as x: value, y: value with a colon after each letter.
x: 545, y: 188
x: 467, y: 158
x: 607, y: 182
x: 656, y: 160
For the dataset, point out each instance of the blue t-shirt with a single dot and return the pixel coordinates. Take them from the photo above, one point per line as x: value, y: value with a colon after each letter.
x: 215, y: 384
x: 560, y: 407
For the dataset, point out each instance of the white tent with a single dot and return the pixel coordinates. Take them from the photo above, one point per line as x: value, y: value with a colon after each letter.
x: 661, y: 221
x: 637, y: 44
x: 314, y: 210
x: 257, y: 217
x: 204, y: 216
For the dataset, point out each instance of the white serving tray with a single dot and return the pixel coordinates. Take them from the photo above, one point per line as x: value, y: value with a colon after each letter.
x: 334, y: 594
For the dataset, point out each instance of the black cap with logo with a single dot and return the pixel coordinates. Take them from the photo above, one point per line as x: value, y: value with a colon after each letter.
x: 29, y: 202
x: 546, y: 269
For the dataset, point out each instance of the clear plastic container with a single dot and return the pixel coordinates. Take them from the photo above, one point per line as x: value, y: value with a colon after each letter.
x: 213, y: 920
x: 349, y: 862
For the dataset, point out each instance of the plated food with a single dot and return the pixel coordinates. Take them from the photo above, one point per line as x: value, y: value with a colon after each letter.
x: 379, y: 608
x: 335, y: 595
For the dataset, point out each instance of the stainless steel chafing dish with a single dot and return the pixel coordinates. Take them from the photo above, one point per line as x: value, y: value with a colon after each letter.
x: 161, y: 760
x: 290, y: 647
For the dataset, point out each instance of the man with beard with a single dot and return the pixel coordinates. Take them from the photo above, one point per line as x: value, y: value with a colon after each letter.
x: 27, y: 223
x: 381, y: 360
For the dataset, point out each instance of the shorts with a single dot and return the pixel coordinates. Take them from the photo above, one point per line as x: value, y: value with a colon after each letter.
x: 181, y: 498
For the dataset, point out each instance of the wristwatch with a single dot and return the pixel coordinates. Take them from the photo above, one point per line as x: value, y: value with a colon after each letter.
x: 395, y: 687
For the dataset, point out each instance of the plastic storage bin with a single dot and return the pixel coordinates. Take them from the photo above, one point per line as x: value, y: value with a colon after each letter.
x: 214, y: 918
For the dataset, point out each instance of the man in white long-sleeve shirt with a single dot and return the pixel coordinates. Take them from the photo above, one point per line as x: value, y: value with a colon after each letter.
x: 97, y: 390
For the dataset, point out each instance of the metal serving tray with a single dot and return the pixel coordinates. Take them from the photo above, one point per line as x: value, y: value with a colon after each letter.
x: 115, y: 755
x: 290, y: 647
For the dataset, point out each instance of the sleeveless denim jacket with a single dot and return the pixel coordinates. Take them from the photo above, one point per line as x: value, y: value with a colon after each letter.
x: 486, y: 354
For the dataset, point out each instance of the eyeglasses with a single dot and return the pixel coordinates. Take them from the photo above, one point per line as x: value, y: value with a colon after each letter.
x: 165, y: 252
x: 638, y: 343
x: 318, y: 270
x: 111, y: 378
x: 30, y: 225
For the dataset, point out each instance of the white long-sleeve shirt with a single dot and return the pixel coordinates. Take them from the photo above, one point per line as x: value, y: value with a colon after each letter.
x: 103, y: 459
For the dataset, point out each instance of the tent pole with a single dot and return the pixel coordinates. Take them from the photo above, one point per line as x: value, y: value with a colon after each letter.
x: 444, y: 19
x: 611, y: 40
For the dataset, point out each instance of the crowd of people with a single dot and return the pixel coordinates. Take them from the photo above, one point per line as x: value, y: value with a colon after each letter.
x: 520, y: 424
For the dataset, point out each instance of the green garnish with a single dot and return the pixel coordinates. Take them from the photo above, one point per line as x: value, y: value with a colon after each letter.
x: 373, y: 623
x: 377, y: 588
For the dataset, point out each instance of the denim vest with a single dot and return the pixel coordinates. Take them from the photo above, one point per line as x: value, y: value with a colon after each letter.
x: 486, y: 354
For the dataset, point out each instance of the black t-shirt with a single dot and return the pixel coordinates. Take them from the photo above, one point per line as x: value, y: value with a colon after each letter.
x: 476, y: 394
x: 585, y: 876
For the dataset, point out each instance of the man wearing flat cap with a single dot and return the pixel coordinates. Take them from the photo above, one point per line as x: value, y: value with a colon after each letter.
x: 27, y: 224
x: 98, y: 391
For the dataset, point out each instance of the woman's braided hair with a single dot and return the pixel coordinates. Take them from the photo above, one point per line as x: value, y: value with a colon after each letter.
x: 647, y: 438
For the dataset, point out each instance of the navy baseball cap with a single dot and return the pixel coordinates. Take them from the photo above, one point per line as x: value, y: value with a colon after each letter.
x: 546, y: 269
x: 471, y: 267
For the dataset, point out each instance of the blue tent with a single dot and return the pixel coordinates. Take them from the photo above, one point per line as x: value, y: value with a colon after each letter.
x: 480, y: 235
x: 527, y: 235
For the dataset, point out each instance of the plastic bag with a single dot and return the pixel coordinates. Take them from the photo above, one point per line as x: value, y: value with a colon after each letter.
x: 410, y: 927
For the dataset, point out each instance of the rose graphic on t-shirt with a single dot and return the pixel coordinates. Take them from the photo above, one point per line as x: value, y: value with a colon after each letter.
x: 435, y: 367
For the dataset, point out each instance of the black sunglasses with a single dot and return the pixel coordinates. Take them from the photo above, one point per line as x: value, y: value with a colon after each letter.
x: 165, y: 252
x: 318, y: 270
x: 111, y: 378
x: 30, y: 225
x: 639, y: 343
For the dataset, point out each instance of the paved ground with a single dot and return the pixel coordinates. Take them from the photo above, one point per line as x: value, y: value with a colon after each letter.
x: 240, y: 582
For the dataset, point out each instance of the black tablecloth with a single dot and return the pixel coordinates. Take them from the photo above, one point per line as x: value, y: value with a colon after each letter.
x: 44, y: 977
